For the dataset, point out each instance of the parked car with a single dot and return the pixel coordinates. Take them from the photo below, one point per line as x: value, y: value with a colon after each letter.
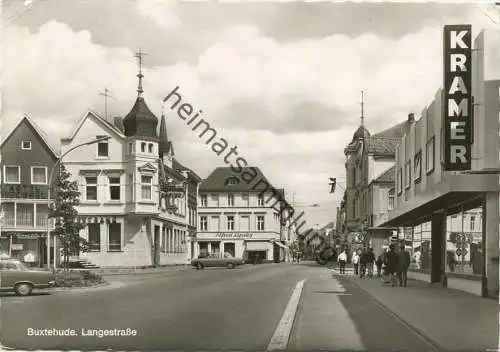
x: 214, y: 260
x: 17, y: 277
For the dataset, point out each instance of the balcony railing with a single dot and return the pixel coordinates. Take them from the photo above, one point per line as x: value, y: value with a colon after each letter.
x: 24, y: 191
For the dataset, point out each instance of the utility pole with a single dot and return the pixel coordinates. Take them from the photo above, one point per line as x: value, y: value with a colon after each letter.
x: 106, y: 96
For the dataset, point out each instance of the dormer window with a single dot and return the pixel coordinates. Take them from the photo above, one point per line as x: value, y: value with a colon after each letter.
x: 231, y: 181
x: 150, y: 147
x: 102, y: 148
x: 26, y: 145
x: 143, y: 147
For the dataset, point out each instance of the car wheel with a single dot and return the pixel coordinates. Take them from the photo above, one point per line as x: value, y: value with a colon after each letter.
x: 230, y: 266
x: 199, y: 266
x: 23, y: 289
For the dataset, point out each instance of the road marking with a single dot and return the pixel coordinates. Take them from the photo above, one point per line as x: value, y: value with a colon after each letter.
x: 281, y: 335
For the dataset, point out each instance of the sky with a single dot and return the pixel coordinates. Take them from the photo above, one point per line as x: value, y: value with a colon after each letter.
x: 280, y: 80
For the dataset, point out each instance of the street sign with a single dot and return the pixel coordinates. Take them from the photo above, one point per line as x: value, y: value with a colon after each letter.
x: 459, y: 252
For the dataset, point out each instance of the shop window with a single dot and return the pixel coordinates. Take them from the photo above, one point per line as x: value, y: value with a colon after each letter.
x: 203, y: 223
x: 417, y: 166
x: 94, y: 236
x: 91, y: 188
x: 26, y: 145
x: 230, y: 222
x: 429, y: 155
x: 203, y: 200
x: 260, y: 223
x: 114, y: 188
x: 38, y: 175
x: 230, y: 200
x: 115, y: 237
x: 12, y: 174
x: 146, y: 187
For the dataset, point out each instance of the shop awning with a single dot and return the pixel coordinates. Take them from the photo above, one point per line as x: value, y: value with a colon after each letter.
x: 280, y: 244
x: 257, y: 246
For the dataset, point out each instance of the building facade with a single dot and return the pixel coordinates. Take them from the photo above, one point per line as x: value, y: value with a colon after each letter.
x: 368, y: 159
x: 426, y: 193
x: 27, y: 158
x: 236, y: 217
x: 138, y: 202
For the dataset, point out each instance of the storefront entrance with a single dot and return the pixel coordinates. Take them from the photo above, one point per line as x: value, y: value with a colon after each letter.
x: 255, y: 257
x: 229, y: 248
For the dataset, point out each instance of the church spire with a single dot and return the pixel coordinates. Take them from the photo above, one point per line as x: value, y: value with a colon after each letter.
x: 139, y: 55
x: 362, y: 108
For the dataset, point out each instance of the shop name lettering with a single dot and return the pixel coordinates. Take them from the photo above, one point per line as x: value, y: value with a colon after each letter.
x: 457, y: 97
x: 234, y: 235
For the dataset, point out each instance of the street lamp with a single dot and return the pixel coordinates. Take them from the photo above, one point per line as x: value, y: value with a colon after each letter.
x: 56, y: 164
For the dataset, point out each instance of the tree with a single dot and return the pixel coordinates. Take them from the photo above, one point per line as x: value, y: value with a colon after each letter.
x: 67, y: 229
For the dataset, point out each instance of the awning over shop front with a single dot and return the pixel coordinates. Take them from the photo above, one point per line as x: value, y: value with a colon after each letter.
x: 280, y: 244
x: 257, y: 246
x: 456, y: 192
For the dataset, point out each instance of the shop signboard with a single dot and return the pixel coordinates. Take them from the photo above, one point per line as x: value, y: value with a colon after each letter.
x: 457, y: 97
x: 17, y: 246
x: 234, y: 235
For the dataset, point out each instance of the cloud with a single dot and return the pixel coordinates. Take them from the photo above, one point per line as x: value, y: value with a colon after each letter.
x: 160, y: 11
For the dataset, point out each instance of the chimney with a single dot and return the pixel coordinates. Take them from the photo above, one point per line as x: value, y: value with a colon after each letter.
x: 118, y: 122
x: 411, y: 117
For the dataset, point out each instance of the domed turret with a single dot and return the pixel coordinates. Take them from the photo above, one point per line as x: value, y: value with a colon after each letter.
x: 140, y: 121
x: 360, y: 133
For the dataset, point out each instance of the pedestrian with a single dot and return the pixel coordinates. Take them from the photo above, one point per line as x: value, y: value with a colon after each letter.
x: 355, y: 263
x: 403, y: 263
x: 391, y: 261
x: 370, y: 260
x: 379, y: 262
x: 362, y: 262
x: 342, y: 261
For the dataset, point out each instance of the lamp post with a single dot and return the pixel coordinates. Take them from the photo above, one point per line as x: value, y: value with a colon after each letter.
x: 56, y: 164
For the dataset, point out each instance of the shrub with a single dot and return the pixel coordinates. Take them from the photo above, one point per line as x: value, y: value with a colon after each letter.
x: 78, y: 279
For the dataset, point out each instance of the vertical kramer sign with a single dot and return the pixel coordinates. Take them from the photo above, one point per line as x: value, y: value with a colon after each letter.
x: 457, y: 104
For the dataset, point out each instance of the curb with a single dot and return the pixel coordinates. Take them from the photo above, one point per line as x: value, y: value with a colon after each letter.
x: 431, y: 342
x: 62, y: 289
x: 142, y: 272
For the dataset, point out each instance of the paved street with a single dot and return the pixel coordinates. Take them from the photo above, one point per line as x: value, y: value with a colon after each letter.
x: 245, y: 308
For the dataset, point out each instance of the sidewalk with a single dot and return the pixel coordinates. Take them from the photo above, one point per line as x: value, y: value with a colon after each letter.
x: 128, y: 270
x: 452, y: 319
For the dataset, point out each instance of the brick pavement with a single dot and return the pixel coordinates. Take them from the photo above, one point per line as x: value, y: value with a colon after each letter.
x: 451, y: 319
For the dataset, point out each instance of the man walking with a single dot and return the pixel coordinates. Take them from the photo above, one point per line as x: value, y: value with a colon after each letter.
x: 391, y: 261
x: 403, y: 264
x: 355, y: 262
x: 370, y: 260
x: 342, y: 261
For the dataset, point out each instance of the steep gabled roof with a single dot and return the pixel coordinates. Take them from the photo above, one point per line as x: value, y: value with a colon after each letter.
x: 98, y: 118
x: 217, y: 180
x: 43, y: 136
x: 385, y: 142
x: 388, y: 176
